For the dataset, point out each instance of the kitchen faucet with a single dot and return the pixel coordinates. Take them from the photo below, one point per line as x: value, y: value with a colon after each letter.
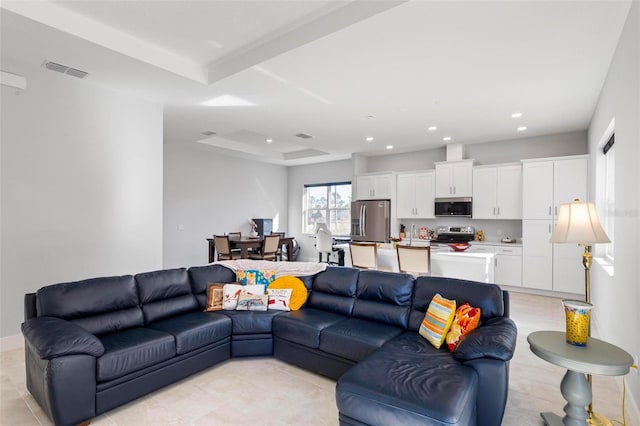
x: 413, y: 229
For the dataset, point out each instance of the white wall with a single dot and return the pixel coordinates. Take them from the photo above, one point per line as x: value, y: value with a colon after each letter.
x: 81, y: 185
x: 336, y: 171
x: 616, y: 298
x: 209, y: 193
x: 506, y: 151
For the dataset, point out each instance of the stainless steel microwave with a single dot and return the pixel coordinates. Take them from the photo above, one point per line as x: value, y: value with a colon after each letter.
x: 459, y: 206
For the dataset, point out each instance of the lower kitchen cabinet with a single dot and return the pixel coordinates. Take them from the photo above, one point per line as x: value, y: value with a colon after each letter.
x: 507, y: 262
x: 547, y: 266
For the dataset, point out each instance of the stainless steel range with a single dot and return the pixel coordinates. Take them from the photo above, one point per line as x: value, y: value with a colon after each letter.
x: 454, y: 234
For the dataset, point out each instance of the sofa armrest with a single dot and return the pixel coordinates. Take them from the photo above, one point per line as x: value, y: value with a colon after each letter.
x: 53, y: 337
x: 496, y: 338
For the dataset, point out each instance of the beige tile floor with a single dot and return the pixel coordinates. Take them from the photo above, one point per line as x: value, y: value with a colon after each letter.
x: 266, y: 391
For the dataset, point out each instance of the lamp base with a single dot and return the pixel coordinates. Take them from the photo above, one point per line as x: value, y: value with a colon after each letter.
x: 598, y: 420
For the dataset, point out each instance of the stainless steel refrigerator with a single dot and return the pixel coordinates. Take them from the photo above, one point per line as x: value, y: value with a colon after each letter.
x: 370, y: 220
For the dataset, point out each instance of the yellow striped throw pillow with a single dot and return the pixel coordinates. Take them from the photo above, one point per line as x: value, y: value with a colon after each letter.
x: 437, y: 320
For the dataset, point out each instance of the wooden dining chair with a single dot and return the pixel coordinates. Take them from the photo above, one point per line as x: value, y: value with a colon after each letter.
x: 270, y: 245
x: 279, y: 251
x: 415, y: 260
x: 235, y: 236
x: 223, y: 248
x: 364, y: 255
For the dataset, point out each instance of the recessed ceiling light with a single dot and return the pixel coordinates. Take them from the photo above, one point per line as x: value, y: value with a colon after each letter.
x: 370, y: 117
x: 446, y: 138
x: 369, y: 138
x: 522, y: 128
x: 389, y: 147
x: 432, y: 128
x: 516, y: 114
x: 227, y: 100
x: 269, y: 140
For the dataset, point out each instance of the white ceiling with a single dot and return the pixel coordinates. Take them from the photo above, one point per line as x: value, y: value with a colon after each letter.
x: 339, y: 71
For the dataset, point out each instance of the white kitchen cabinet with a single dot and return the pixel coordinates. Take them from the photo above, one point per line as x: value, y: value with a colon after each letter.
x: 537, y: 254
x: 509, y: 266
x: 549, y: 183
x: 497, y: 192
x: 454, y: 179
x: 507, y: 262
x: 375, y: 186
x: 546, y: 185
x: 415, y: 195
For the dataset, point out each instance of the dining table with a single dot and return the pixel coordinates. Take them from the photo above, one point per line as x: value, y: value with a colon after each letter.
x: 246, y: 243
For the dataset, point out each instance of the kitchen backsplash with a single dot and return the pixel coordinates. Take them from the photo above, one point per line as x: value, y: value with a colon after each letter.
x: 494, y: 230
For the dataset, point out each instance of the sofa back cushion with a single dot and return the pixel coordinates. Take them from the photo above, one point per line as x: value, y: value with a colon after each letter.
x: 165, y: 293
x: 334, y: 290
x: 200, y: 276
x: 384, y: 297
x: 487, y: 297
x: 99, y: 305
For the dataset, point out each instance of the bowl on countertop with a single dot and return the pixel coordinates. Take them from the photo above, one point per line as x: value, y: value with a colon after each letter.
x: 459, y: 246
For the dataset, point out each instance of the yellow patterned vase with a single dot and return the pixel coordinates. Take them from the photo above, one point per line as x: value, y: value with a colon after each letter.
x: 577, y: 314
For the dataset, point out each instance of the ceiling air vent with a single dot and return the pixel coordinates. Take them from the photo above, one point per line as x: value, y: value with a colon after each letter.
x: 304, y: 136
x: 64, y: 69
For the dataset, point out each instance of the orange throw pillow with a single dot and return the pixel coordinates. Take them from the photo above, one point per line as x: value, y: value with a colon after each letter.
x: 467, y: 319
x: 299, y: 293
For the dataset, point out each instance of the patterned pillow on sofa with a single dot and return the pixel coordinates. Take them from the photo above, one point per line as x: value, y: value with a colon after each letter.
x: 437, y: 320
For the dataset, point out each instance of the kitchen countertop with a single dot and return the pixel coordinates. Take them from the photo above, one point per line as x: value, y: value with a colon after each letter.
x: 518, y: 243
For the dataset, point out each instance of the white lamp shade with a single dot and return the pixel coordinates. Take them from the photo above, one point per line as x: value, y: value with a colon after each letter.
x: 578, y: 223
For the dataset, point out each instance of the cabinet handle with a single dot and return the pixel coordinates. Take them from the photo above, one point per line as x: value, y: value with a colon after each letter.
x: 498, y: 211
x: 556, y: 210
x: 549, y: 228
x: 454, y: 190
x: 494, y: 211
x: 549, y: 210
x: 496, y: 259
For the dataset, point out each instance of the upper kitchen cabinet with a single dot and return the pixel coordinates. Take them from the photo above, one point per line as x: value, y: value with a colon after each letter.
x: 497, y: 192
x: 415, y: 195
x: 375, y: 186
x: 454, y: 179
x: 548, y: 183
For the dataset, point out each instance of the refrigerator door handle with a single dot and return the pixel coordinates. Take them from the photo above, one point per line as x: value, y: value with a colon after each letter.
x: 363, y: 227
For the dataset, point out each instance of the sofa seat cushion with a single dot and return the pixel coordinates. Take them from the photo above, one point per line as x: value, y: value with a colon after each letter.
x: 131, y: 350
x: 408, y: 382
x: 195, y: 329
x: 304, y: 326
x: 356, y: 338
x: 251, y: 322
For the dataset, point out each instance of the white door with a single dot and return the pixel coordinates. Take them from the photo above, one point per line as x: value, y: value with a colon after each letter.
x: 444, y: 180
x: 537, y: 190
x: 509, y: 270
x: 405, y: 203
x: 508, y: 192
x: 462, y: 180
x: 568, y: 272
x: 537, y: 254
x: 382, y: 186
x: 424, y: 195
x: 484, y: 193
x: 570, y: 182
x: 364, y: 187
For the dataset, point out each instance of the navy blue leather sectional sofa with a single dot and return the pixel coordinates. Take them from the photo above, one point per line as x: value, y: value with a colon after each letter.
x: 95, y: 344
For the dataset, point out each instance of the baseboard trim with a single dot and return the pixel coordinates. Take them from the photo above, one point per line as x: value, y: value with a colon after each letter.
x: 9, y: 343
